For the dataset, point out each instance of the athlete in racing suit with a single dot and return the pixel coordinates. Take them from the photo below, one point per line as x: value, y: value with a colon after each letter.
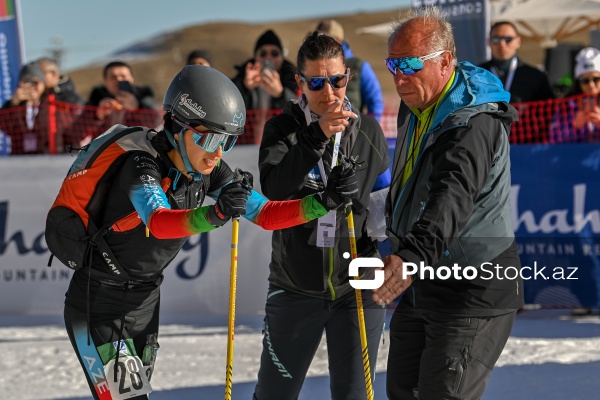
x: 108, y: 319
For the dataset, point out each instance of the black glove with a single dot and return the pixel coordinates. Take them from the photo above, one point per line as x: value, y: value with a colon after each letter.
x: 342, y: 186
x: 245, y: 177
x: 231, y: 202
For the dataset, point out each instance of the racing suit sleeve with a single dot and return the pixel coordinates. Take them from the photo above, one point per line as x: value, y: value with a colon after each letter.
x: 272, y: 215
x: 146, y: 190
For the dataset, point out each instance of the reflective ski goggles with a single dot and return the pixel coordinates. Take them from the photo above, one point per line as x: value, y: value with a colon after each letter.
x: 317, y: 83
x: 209, y: 140
x: 409, y: 65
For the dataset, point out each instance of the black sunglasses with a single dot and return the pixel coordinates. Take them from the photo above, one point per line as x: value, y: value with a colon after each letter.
x: 498, y: 39
x: 316, y: 83
x: 585, y: 81
x: 274, y: 53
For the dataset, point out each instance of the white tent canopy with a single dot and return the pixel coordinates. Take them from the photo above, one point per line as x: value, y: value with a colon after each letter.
x: 549, y: 21
x: 545, y: 21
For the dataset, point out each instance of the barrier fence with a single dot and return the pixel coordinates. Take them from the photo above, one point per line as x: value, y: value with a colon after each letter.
x: 53, y: 125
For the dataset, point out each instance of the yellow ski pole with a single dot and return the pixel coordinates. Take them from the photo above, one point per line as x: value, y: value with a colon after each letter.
x: 235, y: 224
x: 359, y: 306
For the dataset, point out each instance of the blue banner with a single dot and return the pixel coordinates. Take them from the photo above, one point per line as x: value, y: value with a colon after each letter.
x: 556, y: 200
x: 11, y: 49
x: 470, y: 24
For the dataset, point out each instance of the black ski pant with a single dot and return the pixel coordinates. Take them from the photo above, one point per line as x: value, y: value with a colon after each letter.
x: 139, y: 307
x: 293, y: 328
x: 438, y: 356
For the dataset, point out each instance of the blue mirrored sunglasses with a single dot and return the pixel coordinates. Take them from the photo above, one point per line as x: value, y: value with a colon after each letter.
x: 409, y: 65
x: 316, y: 83
x: 209, y: 140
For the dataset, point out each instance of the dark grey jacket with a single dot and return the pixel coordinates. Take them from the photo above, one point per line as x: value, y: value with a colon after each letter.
x: 455, y: 207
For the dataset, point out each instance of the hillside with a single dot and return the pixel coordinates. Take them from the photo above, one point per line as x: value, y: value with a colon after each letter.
x: 233, y: 42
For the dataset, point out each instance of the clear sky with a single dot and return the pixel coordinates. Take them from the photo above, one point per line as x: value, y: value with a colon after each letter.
x: 89, y: 29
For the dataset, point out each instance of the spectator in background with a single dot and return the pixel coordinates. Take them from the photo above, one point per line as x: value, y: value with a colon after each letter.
x: 363, y: 90
x: 61, y: 86
x: 200, y: 57
x: 578, y: 119
x: 523, y: 81
x: 30, y: 125
x: 118, y: 93
x: 267, y: 80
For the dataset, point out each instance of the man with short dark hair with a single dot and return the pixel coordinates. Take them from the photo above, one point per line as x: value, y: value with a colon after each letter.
x: 118, y: 100
x: 523, y: 81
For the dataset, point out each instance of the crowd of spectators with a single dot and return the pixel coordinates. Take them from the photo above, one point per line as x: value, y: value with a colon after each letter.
x: 48, y: 115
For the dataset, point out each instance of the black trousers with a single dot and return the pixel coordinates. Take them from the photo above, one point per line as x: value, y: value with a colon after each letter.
x: 108, y: 304
x: 294, y: 325
x: 437, y: 356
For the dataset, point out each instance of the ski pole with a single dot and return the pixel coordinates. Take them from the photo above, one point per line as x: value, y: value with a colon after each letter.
x: 359, y: 306
x: 235, y: 224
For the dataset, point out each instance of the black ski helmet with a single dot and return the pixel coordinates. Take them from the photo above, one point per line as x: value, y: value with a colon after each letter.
x: 200, y: 95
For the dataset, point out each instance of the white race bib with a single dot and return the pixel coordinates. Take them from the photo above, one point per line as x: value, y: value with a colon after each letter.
x: 132, y: 378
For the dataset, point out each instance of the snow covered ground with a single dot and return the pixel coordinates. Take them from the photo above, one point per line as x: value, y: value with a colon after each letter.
x: 550, y: 355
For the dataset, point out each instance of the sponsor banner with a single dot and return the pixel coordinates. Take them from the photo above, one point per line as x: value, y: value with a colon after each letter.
x: 556, y: 215
x: 555, y: 199
x: 11, y: 47
x: 196, y: 282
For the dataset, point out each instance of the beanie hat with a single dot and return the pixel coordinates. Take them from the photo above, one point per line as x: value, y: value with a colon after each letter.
x: 269, y: 37
x: 31, y: 71
x: 587, y: 60
x: 331, y: 28
x: 200, y: 54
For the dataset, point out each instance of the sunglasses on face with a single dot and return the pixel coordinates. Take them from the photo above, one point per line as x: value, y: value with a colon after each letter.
x: 210, y: 141
x: 409, y: 65
x: 274, y: 53
x: 498, y: 39
x: 585, y: 81
x: 316, y: 83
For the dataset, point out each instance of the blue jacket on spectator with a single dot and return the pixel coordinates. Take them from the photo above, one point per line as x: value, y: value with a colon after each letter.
x: 370, y: 89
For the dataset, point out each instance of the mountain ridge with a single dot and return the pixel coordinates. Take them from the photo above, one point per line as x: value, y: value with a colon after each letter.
x: 232, y: 42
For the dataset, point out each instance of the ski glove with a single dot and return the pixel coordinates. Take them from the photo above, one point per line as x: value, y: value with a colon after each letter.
x: 342, y: 186
x: 232, y: 199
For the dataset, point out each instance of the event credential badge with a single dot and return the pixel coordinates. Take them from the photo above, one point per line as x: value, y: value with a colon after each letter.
x: 326, y: 230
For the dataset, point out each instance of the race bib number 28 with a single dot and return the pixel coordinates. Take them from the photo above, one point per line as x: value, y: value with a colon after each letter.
x: 132, y: 379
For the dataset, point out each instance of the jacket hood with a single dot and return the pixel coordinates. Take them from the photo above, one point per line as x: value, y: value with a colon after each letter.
x: 473, y: 86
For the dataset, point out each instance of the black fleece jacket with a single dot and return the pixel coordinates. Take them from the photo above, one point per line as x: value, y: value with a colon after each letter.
x: 289, y: 151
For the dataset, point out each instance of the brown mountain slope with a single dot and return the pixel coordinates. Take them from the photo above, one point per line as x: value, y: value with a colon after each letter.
x: 233, y: 42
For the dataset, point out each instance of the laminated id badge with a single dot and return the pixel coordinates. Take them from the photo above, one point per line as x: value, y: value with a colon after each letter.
x: 326, y: 230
